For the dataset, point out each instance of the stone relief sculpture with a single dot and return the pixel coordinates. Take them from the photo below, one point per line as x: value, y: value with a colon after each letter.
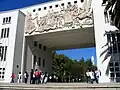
x: 29, y: 23
x: 71, y: 16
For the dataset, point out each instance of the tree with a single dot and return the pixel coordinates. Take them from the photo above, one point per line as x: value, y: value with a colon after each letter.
x: 113, y: 8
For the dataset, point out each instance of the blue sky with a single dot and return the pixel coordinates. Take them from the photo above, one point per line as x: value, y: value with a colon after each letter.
x: 77, y: 54
x: 73, y: 53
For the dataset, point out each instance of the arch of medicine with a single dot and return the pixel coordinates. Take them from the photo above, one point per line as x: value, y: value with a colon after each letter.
x: 29, y: 35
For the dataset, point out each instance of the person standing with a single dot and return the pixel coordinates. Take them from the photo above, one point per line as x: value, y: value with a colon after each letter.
x: 12, y: 78
x: 45, y: 77
x: 91, y: 73
x: 88, y: 76
x: 19, y: 77
x: 31, y: 76
x: 37, y: 76
x: 26, y: 77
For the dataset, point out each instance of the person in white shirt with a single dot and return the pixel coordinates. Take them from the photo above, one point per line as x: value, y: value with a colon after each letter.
x: 97, y: 74
x: 91, y: 73
x: 19, y: 77
x: 88, y: 76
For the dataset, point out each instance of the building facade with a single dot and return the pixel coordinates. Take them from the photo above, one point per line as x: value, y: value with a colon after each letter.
x: 29, y: 35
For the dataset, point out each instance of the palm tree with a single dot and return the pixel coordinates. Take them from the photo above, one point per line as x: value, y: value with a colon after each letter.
x: 112, y: 8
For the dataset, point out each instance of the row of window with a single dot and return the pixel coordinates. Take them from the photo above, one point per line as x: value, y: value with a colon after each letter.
x: 3, y: 51
x: 39, y: 9
x: 38, y: 61
x: 5, y: 32
x: 6, y: 20
x: 2, y: 73
x: 36, y: 44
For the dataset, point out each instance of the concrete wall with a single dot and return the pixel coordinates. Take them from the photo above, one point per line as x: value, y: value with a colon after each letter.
x: 18, y: 45
x: 10, y: 42
x: 31, y: 51
x: 100, y: 27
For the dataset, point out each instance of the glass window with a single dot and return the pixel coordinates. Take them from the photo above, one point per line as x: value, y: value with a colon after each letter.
x: 5, y: 53
x: 9, y: 19
x: 82, y: 0
x: 3, y: 20
x: 112, y: 75
x: 5, y: 32
x: 40, y: 46
x: 8, y: 32
x: 50, y: 6
x: 44, y: 48
x: 3, y: 69
x: 34, y: 59
x: 33, y: 10
x: 62, y: 4
x: 116, y: 64
x: 116, y: 69
x: 110, y: 64
x: 43, y: 63
x: 35, y: 43
x: 111, y: 69
x: 2, y: 76
x: 117, y: 74
x: 39, y: 9
x: 39, y: 61
x: 69, y: 2
x: 56, y: 5
x: 2, y: 31
x: 75, y: 1
x: 45, y: 8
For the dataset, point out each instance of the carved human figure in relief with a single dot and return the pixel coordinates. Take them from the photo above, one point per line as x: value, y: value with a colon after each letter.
x: 29, y: 24
x: 68, y: 17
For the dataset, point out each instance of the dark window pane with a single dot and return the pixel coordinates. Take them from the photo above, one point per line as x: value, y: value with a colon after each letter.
x: 117, y: 74
x: 69, y: 2
x: 5, y: 53
x: 39, y: 61
x: 45, y: 8
x: 116, y: 64
x: 33, y: 10
x: 62, y: 4
x: 8, y: 32
x: 0, y: 68
x: 44, y: 48
x: 2, y: 33
x: 82, y: 0
x: 112, y: 75
x: 40, y: 46
x: 110, y: 64
x: 43, y: 63
x: 34, y: 59
x: 3, y: 20
x: 2, y: 53
x: 3, y: 69
x: 111, y: 69
x: 116, y: 69
x: 0, y: 72
x: 50, y: 6
x: 56, y: 5
x: 39, y: 9
x: 3, y: 72
x: 2, y: 76
x: 5, y: 32
x: 75, y: 1
x: 35, y: 43
x: 9, y: 19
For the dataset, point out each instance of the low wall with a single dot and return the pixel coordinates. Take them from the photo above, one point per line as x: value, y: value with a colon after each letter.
x: 60, y: 86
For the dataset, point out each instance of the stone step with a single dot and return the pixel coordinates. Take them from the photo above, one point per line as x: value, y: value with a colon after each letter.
x: 60, y: 86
